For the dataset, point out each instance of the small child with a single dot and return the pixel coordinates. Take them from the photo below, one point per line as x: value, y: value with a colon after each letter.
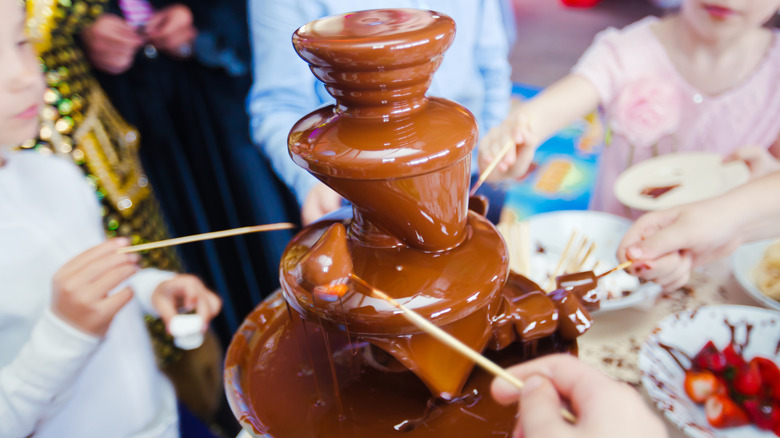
x: 706, y: 79
x: 75, y: 356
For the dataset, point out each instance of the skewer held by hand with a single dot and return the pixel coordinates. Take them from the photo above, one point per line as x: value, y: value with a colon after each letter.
x: 453, y: 342
x: 492, y: 166
x: 206, y: 236
x: 623, y: 265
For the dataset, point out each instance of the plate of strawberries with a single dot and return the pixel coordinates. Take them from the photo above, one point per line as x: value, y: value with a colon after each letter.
x: 714, y: 372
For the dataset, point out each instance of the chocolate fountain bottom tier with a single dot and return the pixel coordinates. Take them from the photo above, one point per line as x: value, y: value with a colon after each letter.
x: 287, y: 378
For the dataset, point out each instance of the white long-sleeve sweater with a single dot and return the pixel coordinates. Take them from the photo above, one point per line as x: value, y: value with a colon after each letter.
x: 56, y: 381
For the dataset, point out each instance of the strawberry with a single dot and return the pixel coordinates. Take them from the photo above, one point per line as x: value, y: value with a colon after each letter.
x: 747, y: 380
x: 710, y: 358
x: 764, y: 414
x: 701, y: 384
x: 733, y: 358
x: 721, y: 411
x: 770, y: 377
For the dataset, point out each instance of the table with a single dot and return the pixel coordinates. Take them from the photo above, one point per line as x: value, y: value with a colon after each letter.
x: 613, y: 342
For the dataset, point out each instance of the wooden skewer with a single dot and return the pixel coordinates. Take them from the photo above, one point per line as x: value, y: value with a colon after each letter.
x: 623, y: 265
x: 564, y: 255
x: 453, y: 342
x: 492, y: 166
x: 524, y: 230
x: 573, y: 264
x: 584, y: 260
x: 205, y: 236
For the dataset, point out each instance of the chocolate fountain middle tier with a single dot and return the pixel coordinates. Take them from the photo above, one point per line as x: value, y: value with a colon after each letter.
x: 457, y: 289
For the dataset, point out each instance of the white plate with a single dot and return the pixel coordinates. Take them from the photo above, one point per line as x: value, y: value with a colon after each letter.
x: 699, y: 175
x: 688, y: 331
x: 551, y: 231
x: 744, y: 261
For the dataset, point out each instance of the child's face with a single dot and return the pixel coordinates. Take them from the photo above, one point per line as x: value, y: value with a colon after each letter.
x: 21, y: 80
x: 725, y: 19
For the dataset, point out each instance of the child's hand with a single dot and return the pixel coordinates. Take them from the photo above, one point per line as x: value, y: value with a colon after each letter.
x: 514, y: 130
x: 172, y: 30
x: 111, y: 44
x: 758, y: 160
x: 665, y: 245
x: 604, y: 407
x: 81, y: 287
x: 185, y: 292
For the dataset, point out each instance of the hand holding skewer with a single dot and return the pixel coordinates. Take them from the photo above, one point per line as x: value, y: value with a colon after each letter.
x: 446, y: 338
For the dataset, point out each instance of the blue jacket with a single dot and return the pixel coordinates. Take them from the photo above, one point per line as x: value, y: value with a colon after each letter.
x: 475, y: 71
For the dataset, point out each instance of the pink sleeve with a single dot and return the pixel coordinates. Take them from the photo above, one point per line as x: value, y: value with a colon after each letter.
x: 601, y: 64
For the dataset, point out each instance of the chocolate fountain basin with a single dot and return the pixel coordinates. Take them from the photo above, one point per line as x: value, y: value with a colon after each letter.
x: 281, y: 383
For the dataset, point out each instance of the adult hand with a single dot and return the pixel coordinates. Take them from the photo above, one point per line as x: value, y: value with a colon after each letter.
x: 515, y: 163
x: 172, y: 30
x: 604, y: 408
x: 665, y: 245
x: 185, y: 292
x: 111, y: 44
x: 320, y: 200
x: 81, y: 287
x: 758, y: 160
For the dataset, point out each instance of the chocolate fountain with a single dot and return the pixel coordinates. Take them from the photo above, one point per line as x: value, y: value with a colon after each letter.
x: 308, y: 364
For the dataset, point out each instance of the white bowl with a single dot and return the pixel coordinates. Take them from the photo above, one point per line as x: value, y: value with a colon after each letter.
x: 688, y: 331
x: 551, y: 231
x: 743, y: 262
x: 697, y: 175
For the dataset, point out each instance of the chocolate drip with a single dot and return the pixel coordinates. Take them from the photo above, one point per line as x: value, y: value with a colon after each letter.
x: 656, y: 192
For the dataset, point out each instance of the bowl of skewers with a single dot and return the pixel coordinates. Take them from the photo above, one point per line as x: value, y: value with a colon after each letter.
x: 552, y: 246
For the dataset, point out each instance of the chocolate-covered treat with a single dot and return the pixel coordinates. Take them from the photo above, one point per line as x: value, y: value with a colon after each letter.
x: 583, y: 284
x: 326, y: 268
x: 349, y: 364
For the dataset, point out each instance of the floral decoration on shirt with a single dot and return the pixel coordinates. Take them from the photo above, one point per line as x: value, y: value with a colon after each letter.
x: 645, y: 110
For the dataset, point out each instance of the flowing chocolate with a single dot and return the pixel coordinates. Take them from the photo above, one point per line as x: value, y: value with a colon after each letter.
x: 327, y: 265
x: 583, y: 284
x: 573, y: 318
x: 479, y: 204
x: 355, y: 366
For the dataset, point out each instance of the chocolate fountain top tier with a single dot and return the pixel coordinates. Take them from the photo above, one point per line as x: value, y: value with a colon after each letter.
x: 376, y: 57
x: 378, y: 64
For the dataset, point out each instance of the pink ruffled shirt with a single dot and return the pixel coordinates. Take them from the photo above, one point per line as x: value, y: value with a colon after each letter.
x: 651, y: 109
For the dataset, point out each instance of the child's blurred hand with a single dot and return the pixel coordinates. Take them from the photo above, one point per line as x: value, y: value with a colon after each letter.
x: 185, y: 292
x: 172, y: 30
x: 111, y: 44
x: 320, y: 201
x: 758, y: 160
x: 514, y: 130
x: 81, y: 287
x: 665, y: 245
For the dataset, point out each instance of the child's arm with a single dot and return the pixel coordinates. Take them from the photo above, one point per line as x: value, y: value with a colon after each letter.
x: 701, y: 232
x: 533, y: 122
x: 65, y: 337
